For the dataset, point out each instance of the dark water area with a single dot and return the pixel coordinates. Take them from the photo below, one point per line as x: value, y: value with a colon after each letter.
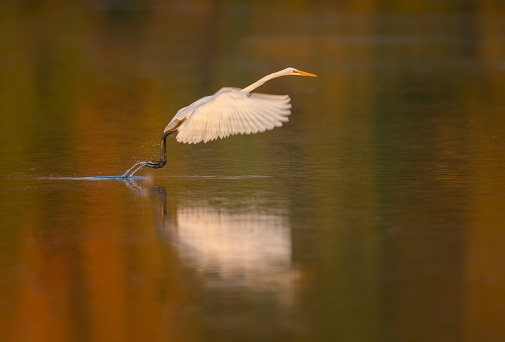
x: 374, y: 214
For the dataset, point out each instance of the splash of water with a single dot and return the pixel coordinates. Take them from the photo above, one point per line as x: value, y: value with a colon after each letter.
x: 93, y: 178
x: 128, y: 175
x: 137, y: 167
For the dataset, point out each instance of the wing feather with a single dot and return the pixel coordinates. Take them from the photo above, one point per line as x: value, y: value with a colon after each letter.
x: 230, y: 112
x: 265, y: 119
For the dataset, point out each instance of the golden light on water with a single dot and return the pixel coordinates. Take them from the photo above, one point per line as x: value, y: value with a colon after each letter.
x: 373, y: 214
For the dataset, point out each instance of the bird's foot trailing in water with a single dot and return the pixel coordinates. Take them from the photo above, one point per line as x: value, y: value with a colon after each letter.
x: 156, y: 164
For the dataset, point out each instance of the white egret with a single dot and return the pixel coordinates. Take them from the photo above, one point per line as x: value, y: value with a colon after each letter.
x: 229, y: 111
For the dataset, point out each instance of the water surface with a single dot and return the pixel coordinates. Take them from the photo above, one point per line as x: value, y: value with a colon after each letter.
x: 375, y: 214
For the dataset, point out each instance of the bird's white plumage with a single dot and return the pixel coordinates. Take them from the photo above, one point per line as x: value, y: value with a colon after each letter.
x: 229, y: 111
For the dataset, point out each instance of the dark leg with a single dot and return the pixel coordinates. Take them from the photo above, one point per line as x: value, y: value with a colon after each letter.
x: 158, y: 164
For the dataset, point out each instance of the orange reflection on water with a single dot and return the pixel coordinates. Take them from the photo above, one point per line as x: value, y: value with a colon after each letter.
x: 389, y: 177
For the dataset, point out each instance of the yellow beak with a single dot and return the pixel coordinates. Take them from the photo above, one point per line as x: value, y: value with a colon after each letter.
x: 303, y: 73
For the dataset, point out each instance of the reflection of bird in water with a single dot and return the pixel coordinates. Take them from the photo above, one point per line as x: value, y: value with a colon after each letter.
x: 243, y: 249
x: 230, y: 111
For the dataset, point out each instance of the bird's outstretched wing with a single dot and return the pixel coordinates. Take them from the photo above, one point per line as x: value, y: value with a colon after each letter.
x: 229, y: 112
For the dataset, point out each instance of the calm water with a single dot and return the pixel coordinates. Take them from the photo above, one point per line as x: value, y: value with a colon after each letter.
x: 375, y: 214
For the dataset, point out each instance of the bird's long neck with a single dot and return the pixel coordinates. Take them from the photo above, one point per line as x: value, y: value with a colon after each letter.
x: 261, y: 81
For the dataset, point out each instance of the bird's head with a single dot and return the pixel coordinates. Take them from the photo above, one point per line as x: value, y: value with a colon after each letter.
x: 296, y: 72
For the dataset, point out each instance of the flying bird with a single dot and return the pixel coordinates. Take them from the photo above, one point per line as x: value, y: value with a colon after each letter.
x: 229, y: 111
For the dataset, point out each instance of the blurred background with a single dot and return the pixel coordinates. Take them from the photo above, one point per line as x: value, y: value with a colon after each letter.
x: 374, y: 214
